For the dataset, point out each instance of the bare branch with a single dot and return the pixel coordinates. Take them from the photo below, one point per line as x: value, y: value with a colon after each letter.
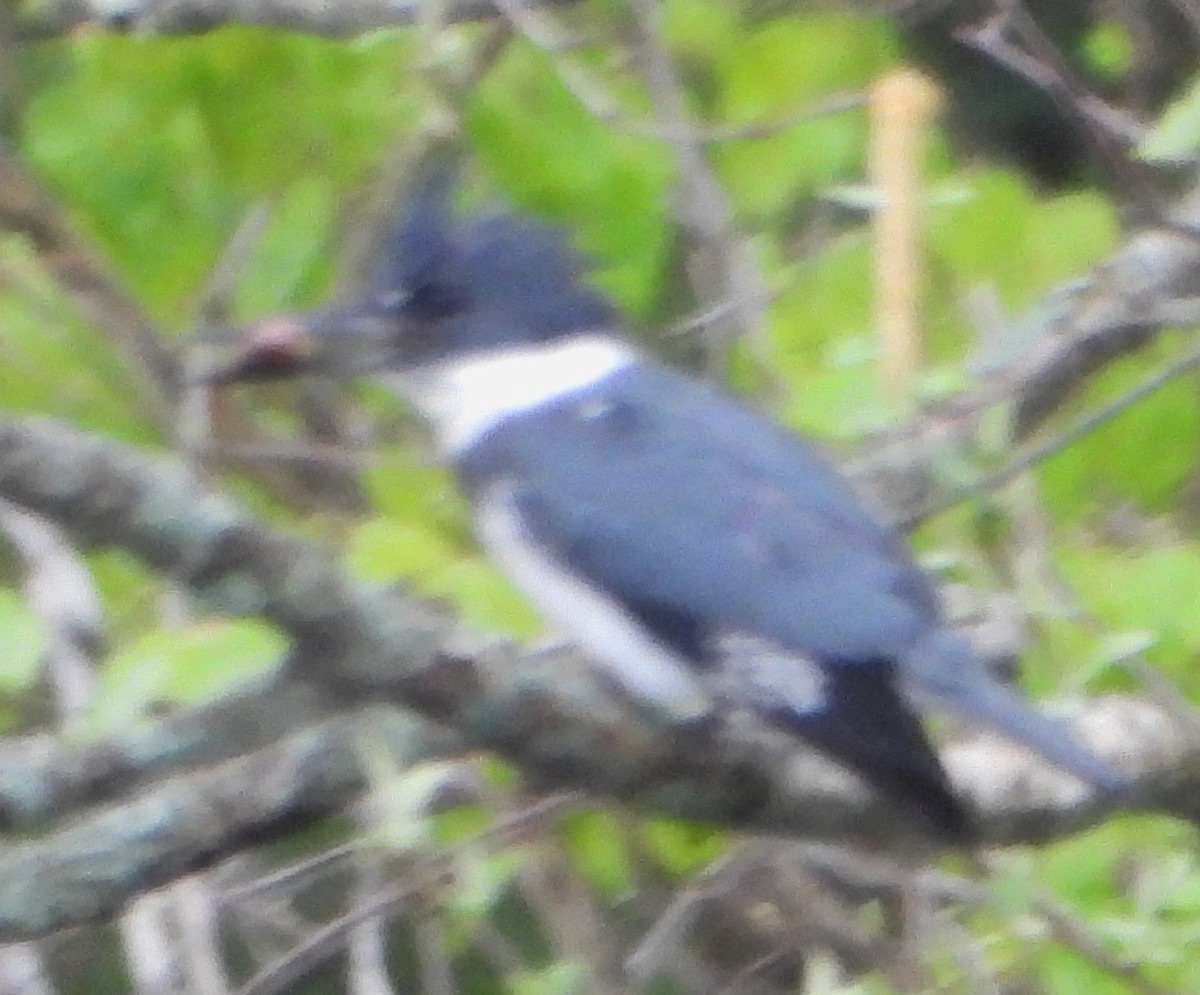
x: 1070, y: 335
x: 167, y: 17
x: 85, y: 871
x: 45, y: 778
x: 722, y: 267
x: 60, y: 590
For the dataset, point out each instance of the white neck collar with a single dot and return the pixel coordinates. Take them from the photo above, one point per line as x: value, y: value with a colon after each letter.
x: 465, y: 398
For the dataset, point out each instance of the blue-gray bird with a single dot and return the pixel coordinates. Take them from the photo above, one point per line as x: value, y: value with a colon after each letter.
x: 696, y: 549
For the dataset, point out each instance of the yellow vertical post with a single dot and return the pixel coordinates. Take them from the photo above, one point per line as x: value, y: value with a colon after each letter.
x: 902, y: 105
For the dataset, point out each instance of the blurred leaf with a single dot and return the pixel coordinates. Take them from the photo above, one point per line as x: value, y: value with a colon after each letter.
x: 1144, y: 455
x: 1176, y: 136
x: 598, y: 848
x: 699, y: 29
x: 683, y: 848
x: 405, y: 485
x: 1119, y: 646
x: 387, y: 551
x: 183, y: 666
x: 784, y: 66
x: 291, y: 264
x: 1109, y: 49
x: 481, y: 877
x: 398, y: 805
x: 384, y: 551
x: 23, y: 640
x: 1149, y: 590
x: 160, y: 144
x: 784, y: 62
x: 1063, y: 970
x: 557, y: 979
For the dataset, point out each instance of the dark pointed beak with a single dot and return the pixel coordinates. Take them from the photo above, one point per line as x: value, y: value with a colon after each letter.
x: 334, y: 342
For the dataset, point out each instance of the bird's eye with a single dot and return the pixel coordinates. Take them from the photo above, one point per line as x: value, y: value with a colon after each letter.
x: 435, y: 300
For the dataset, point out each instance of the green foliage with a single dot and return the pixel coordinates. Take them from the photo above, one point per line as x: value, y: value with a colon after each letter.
x: 160, y: 148
x: 1108, y: 49
x: 597, y: 842
x: 481, y: 879
x: 1176, y: 137
x: 182, y: 666
x: 999, y: 233
x: 291, y: 264
x: 1129, y: 887
x: 401, y: 799
x: 22, y: 642
x: 823, y: 351
x: 779, y: 69
x: 422, y: 537
x: 159, y: 145
x: 557, y: 979
x: 1144, y: 456
x: 54, y: 364
x: 1144, y: 591
x: 682, y: 848
x: 549, y: 152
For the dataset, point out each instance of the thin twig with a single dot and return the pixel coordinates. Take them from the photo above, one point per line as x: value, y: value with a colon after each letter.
x: 1073, y: 932
x: 435, y: 873
x: 1036, y: 454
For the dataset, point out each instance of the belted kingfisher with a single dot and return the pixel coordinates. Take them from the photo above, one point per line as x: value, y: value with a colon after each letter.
x: 696, y: 549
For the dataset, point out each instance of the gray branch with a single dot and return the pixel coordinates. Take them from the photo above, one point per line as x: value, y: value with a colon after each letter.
x: 549, y: 712
x: 87, y: 870
x: 45, y: 778
x: 1149, y: 285
x: 345, y: 18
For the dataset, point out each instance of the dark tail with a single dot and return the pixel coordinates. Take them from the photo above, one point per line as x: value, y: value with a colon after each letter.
x: 945, y: 671
x: 867, y: 725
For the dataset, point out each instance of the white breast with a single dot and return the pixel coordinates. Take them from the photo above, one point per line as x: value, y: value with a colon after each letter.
x: 598, y: 625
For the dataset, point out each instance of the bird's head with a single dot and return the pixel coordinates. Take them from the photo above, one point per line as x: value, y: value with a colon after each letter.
x: 447, y: 286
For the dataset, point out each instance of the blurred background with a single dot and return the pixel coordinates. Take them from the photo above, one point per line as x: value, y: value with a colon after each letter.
x: 934, y: 235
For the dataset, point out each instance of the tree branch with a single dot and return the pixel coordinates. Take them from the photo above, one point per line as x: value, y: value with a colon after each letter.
x: 346, y: 18
x: 549, y: 711
x: 44, y: 777
x: 86, y: 871
x: 1070, y: 335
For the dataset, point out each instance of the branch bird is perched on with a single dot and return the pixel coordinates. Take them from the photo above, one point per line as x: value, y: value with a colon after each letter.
x: 681, y: 539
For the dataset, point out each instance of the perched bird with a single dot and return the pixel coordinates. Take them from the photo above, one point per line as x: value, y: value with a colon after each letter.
x: 681, y: 539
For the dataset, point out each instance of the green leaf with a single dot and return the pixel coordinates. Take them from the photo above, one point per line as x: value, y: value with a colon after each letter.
x: 404, y: 485
x: 1176, y: 136
x: 699, y: 30
x: 183, y: 666
x: 1144, y: 455
x: 682, y: 848
x: 1147, y: 590
x: 291, y: 262
x: 23, y: 640
x: 384, y: 551
x: 787, y: 62
x: 1063, y: 970
x: 563, y: 978
x: 599, y: 850
x: 1109, y: 49
x: 553, y: 156
x: 400, y: 799
x: 481, y: 879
